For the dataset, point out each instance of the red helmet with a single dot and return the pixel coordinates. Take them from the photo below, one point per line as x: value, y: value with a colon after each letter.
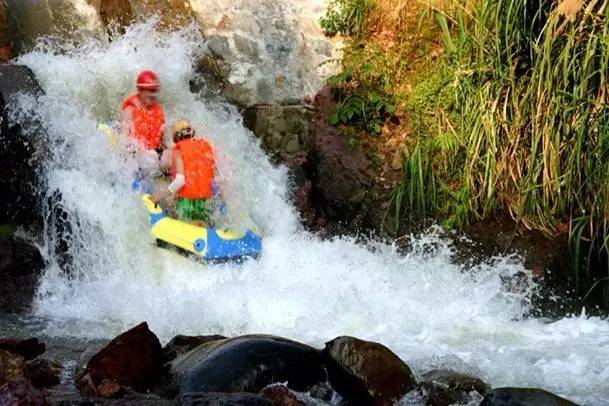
x: 147, y: 80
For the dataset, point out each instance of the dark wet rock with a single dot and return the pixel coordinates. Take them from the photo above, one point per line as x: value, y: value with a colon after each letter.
x: 222, y: 399
x: 366, y: 372
x: 248, y: 364
x: 182, y: 344
x: 523, y: 397
x: 444, y: 387
x: 28, y: 348
x: 20, y: 392
x: 132, y: 359
x: 22, y: 152
x: 21, y: 265
x: 12, y: 366
x: 44, y: 373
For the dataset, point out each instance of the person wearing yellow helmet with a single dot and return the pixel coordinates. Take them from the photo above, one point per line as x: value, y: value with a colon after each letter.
x: 192, y: 165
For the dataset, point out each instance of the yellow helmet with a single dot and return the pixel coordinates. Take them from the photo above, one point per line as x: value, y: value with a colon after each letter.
x: 182, y: 129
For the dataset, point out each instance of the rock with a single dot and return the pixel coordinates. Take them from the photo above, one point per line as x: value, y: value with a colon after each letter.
x: 114, y: 12
x: 44, y: 373
x: 274, y: 50
x: 181, y: 344
x: 281, y: 395
x: 456, y: 380
x: 341, y: 175
x: 12, y: 366
x: 62, y: 18
x: 28, y: 348
x: 248, y: 364
x: 366, y: 372
x: 222, y: 399
x: 20, y: 392
x: 131, y: 359
x: 523, y: 397
x: 110, y: 389
x: 21, y: 265
x: 445, y: 387
x: 22, y: 153
x: 285, y: 130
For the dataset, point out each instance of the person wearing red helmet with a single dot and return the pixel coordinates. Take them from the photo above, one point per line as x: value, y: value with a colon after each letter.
x: 142, y: 114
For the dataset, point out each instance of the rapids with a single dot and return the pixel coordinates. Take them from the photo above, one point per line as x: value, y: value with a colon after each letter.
x: 430, y: 311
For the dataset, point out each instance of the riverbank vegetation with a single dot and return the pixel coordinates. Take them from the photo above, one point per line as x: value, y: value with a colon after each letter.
x: 500, y: 107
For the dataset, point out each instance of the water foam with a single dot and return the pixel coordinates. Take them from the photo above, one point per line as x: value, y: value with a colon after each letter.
x: 423, y: 306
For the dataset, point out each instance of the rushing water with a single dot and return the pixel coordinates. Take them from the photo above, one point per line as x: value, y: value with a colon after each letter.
x: 424, y: 307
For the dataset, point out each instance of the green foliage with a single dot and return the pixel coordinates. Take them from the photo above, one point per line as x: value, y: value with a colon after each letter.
x: 362, y: 90
x: 346, y: 17
x: 516, y: 119
x: 365, y: 109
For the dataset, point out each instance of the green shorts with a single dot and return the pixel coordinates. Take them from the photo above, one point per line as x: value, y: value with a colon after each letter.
x: 192, y: 209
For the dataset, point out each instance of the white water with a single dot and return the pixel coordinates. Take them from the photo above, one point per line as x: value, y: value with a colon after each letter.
x: 428, y: 310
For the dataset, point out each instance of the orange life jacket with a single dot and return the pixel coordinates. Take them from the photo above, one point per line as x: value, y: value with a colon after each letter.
x: 146, y: 123
x: 198, y: 158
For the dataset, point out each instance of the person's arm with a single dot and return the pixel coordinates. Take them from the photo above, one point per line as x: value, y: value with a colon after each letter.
x: 178, y: 182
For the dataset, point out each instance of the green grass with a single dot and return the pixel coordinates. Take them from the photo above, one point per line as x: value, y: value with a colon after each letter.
x: 346, y: 17
x: 516, y: 119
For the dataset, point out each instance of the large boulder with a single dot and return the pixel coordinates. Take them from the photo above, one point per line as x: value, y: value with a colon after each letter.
x: 132, y: 359
x: 20, y: 392
x: 248, y: 364
x: 365, y: 372
x: 523, y: 397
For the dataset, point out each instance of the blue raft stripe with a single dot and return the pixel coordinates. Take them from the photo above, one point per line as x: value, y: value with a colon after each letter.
x: 154, y: 218
x: 219, y: 248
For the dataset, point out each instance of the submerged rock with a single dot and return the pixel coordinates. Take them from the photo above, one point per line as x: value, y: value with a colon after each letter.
x: 132, y: 359
x: 20, y: 392
x: 12, y: 366
x: 248, y: 364
x: 444, y: 387
x: 44, y: 373
x: 366, y: 372
x: 523, y: 397
x: 222, y: 399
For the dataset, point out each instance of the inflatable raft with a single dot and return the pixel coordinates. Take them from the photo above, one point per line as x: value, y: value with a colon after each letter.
x: 206, y: 244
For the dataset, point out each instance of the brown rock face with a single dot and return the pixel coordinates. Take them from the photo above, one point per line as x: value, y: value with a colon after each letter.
x: 366, y: 372
x: 20, y: 392
x: 131, y: 359
x: 281, y: 395
x: 12, y: 366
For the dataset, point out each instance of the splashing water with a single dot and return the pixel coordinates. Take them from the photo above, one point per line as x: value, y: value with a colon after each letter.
x: 428, y: 310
